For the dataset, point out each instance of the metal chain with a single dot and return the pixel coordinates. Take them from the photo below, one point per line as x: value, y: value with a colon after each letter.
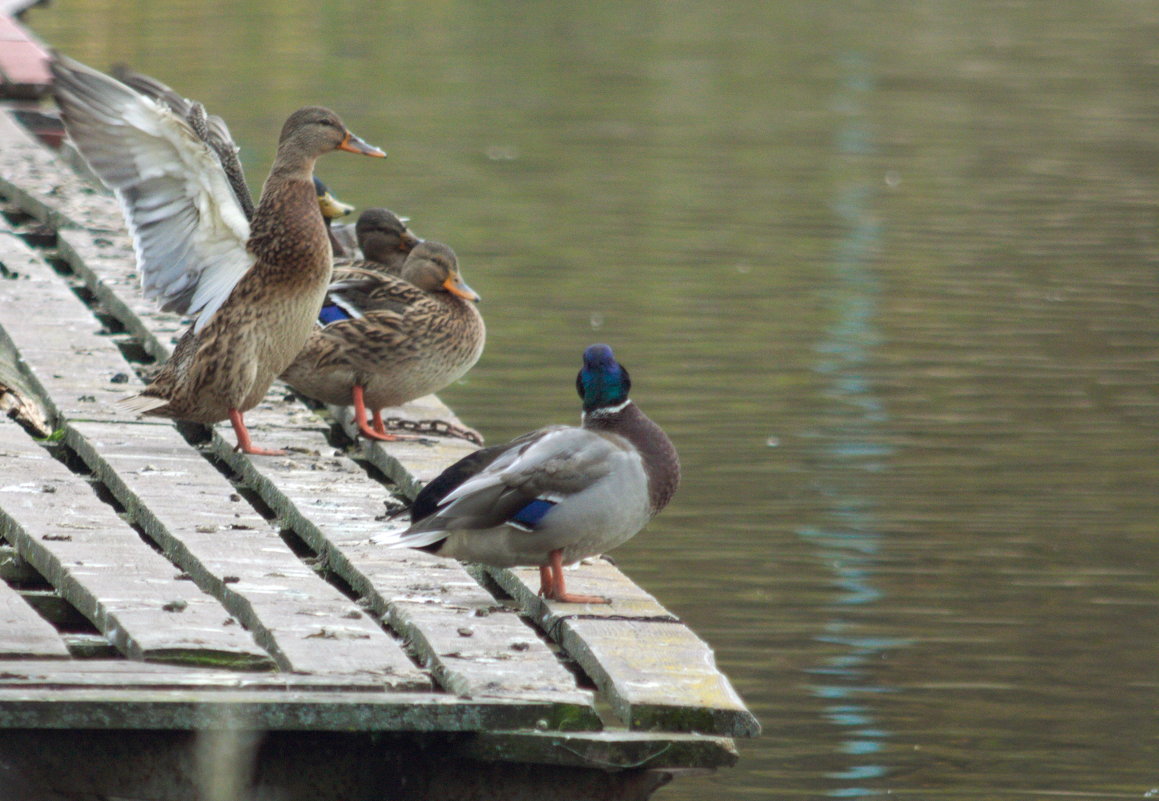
x: 439, y: 428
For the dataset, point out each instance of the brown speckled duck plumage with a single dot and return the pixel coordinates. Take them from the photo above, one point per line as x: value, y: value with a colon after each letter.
x: 391, y: 339
x: 267, y: 318
x: 255, y: 287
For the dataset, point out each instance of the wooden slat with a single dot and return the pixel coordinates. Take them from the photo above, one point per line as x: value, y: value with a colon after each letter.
x: 267, y: 710
x: 657, y: 674
x: 23, y: 633
x: 107, y: 672
x: 87, y: 687
x: 610, y: 750
x: 100, y: 565
x: 54, y: 335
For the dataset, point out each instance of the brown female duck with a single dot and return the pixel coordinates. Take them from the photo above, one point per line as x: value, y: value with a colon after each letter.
x: 386, y: 339
x: 255, y: 287
x: 384, y: 239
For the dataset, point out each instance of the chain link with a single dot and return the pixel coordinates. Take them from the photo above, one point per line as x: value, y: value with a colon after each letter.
x: 439, y: 428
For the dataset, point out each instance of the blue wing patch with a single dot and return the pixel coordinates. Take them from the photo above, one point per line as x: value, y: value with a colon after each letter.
x: 530, y: 515
x: 332, y: 313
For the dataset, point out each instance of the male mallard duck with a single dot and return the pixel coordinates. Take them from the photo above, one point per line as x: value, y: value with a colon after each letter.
x: 556, y: 495
x: 255, y: 287
x: 385, y: 340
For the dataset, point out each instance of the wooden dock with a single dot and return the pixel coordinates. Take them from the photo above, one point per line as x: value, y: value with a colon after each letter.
x: 180, y: 621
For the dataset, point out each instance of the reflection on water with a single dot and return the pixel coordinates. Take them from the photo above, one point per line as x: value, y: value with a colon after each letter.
x: 887, y: 273
x: 848, y: 536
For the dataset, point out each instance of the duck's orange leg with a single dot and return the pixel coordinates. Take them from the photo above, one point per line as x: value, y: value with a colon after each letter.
x: 379, y: 430
x: 377, y: 423
x: 244, y: 444
x: 555, y: 590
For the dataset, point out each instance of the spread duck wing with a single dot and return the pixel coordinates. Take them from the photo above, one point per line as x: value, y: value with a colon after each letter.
x: 188, y: 228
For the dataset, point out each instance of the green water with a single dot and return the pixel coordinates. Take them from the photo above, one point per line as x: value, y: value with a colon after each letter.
x: 888, y: 274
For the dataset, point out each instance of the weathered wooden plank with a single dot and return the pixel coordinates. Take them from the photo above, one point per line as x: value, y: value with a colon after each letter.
x: 23, y: 633
x: 656, y: 673
x: 611, y: 750
x: 32, y: 176
x: 266, y: 709
x: 13, y: 568
x: 596, y: 576
x: 126, y: 674
x: 187, y: 507
x: 54, y: 334
x: 100, y: 565
x: 659, y: 675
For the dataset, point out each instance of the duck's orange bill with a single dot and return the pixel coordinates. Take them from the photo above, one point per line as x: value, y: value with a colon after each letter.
x: 457, y: 286
x: 353, y: 144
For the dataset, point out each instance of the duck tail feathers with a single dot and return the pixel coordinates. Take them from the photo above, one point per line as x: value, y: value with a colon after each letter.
x: 409, y: 539
x: 141, y: 404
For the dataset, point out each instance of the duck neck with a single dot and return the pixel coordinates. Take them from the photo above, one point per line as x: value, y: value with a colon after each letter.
x: 383, y: 250
x: 661, y: 464
x: 288, y: 218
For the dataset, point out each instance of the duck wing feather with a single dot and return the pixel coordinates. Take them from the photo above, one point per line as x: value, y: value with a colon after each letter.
x: 188, y: 227
x: 552, y: 464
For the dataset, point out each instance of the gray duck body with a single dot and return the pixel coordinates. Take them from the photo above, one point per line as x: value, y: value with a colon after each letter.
x: 556, y: 495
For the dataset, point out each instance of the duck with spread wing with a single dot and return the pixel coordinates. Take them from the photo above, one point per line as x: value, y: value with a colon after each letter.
x: 254, y: 287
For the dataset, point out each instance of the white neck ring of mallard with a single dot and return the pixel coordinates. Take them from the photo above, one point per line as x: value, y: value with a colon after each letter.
x: 608, y: 411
